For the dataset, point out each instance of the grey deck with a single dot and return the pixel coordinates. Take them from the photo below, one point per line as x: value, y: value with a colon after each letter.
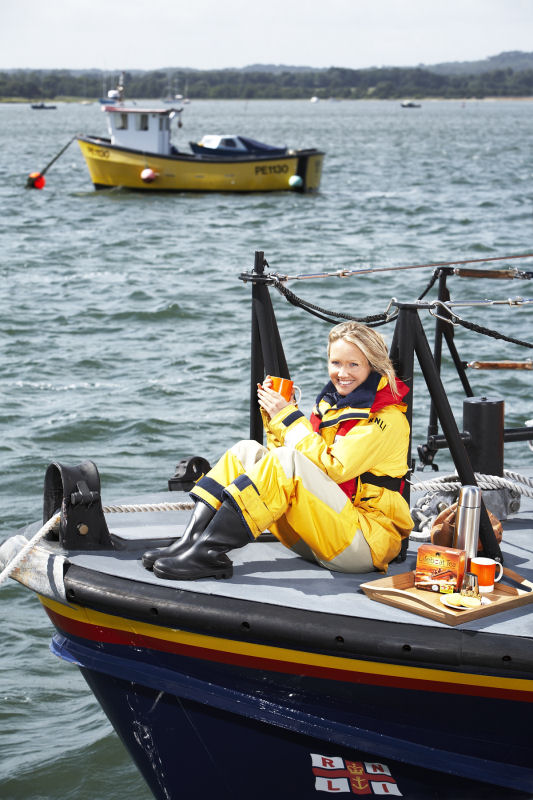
x: 268, y: 573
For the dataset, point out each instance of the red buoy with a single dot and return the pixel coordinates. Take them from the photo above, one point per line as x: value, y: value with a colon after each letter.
x: 148, y: 175
x: 36, y: 180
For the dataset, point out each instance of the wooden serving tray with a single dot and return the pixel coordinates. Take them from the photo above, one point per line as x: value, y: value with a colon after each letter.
x: 399, y: 591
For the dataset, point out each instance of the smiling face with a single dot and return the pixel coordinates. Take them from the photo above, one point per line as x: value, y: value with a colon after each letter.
x: 348, y: 367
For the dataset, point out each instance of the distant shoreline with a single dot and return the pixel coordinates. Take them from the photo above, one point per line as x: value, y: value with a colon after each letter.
x: 429, y: 99
x: 506, y: 76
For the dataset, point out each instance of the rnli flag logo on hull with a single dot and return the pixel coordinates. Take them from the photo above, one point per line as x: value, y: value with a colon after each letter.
x: 337, y: 775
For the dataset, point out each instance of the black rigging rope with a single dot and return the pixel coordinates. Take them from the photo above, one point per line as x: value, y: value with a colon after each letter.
x: 372, y: 321
x: 431, y: 283
x: 375, y: 320
x: 317, y: 311
x: 488, y: 332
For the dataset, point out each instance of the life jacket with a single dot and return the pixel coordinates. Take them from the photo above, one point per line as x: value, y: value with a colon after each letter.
x: 348, y: 419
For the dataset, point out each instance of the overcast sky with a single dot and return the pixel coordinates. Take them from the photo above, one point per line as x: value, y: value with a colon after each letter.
x: 211, y: 34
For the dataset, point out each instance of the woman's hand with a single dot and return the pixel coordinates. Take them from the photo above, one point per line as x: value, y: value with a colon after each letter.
x: 269, y: 400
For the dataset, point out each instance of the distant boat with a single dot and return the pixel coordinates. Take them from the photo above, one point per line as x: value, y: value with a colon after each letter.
x: 139, y: 154
x: 113, y: 96
x: 42, y: 107
x: 173, y: 94
x: 314, y: 99
x: 410, y: 104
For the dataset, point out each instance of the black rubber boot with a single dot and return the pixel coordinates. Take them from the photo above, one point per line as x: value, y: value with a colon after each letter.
x: 198, y: 521
x: 206, y: 556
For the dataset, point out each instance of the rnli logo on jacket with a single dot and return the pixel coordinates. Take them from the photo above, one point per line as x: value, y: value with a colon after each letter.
x: 336, y: 775
x: 379, y: 422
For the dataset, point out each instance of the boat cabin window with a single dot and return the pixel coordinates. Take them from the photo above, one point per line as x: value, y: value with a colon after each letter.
x: 229, y: 143
x: 141, y: 122
x: 146, y: 130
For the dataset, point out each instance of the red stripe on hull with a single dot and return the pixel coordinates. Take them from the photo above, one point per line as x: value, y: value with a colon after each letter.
x: 97, y: 633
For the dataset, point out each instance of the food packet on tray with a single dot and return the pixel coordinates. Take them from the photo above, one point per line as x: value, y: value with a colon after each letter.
x: 440, y: 569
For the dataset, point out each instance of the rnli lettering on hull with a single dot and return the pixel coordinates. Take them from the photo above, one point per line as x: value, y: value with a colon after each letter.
x: 279, y: 169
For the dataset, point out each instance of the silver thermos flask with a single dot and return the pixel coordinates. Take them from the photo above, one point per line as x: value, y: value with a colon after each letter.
x: 467, y: 521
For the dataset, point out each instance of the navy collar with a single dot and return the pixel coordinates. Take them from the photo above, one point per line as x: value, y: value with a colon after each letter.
x: 361, y: 397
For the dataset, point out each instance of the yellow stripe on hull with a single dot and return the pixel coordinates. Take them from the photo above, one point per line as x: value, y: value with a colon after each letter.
x: 287, y: 655
x: 111, y: 166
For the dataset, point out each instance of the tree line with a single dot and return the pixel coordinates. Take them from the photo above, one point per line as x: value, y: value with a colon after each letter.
x: 349, y: 84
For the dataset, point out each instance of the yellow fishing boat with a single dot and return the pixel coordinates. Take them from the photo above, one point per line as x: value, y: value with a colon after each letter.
x: 139, y: 154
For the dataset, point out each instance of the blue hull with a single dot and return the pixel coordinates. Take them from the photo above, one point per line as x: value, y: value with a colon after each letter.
x: 191, y: 727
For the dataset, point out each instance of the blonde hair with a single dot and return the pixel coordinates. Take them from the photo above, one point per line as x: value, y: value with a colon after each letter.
x: 372, y: 345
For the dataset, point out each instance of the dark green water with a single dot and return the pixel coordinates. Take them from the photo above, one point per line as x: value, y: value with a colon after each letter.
x: 125, y: 330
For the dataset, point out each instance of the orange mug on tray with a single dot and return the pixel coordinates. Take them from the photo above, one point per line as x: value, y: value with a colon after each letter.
x: 485, y: 569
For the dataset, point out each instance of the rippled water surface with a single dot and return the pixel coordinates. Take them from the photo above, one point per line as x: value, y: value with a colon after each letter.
x: 125, y: 330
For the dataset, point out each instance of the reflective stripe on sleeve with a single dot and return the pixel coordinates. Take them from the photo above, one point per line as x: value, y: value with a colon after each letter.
x: 295, y: 435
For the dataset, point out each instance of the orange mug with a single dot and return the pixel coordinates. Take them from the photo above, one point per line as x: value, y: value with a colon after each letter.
x: 485, y: 569
x: 285, y: 388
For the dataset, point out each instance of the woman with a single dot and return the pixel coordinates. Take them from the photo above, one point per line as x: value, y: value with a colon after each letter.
x: 328, y: 487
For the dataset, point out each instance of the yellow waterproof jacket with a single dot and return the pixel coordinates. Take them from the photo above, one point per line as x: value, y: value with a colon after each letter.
x: 346, y: 442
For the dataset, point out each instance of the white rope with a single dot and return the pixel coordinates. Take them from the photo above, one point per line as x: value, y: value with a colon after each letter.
x: 515, y: 476
x: 23, y: 552
x: 188, y: 506
x: 53, y: 521
x: 452, y: 482
x: 436, y: 484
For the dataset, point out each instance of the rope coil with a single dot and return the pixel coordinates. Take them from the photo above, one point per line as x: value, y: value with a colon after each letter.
x: 452, y: 482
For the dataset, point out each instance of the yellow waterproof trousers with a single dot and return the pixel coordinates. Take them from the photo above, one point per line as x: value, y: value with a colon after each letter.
x: 282, y: 491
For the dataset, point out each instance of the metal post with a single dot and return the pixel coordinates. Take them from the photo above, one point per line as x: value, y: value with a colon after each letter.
x: 483, y: 419
x: 256, y: 376
x: 267, y: 355
x: 458, y: 451
x: 448, y: 335
x: 257, y: 364
x: 402, y: 354
x: 271, y: 347
x: 443, y: 329
x: 444, y: 295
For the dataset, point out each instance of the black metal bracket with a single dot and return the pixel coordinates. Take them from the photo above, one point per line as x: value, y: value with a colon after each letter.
x: 254, y: 277
x: 75, y: 492
x: 188, y: 471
